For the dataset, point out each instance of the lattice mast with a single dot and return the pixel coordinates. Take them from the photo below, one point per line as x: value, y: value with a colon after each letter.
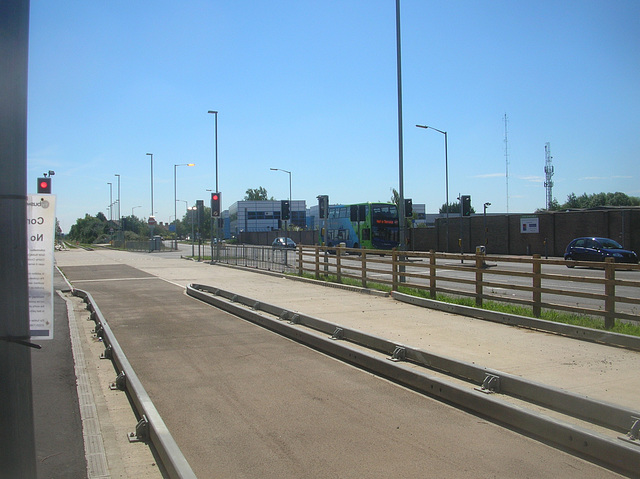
x: 506, y: 158
x: 548, y: 173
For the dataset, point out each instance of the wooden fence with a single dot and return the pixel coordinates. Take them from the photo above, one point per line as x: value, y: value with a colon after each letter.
x: 532, y: 286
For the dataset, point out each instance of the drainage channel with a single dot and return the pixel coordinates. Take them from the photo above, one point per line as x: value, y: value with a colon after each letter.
x: 605, y: 433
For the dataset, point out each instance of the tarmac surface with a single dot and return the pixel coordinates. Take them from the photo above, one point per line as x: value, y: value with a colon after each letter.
x: 595, y: 370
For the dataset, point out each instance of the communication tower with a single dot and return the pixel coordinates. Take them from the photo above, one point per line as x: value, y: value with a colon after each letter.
x: 548, y: 173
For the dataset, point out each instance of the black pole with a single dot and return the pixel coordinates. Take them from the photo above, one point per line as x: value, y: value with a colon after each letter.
x: 17, y: 443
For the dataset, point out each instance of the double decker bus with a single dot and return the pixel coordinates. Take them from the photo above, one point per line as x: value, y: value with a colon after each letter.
x: 362, y: 225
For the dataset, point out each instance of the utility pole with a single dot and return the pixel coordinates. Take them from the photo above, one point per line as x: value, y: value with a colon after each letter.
x: 506, y: 158
x: 17, y: 443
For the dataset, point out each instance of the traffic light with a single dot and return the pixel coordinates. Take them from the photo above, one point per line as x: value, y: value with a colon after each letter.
x: 323, y: 206
x: 466, y: 205
x: 285, y: 210
x: 408, y: 208
x: 200, y: 211
x: 216, y: 201
x: 44, y: 186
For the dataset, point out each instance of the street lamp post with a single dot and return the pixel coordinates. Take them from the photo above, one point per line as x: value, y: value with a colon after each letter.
x: 110, y: 201
x: 119, y: 217
x: 215, y: 114
x: 152, y: 210
x: 446, y: 177
x: 139, y: 206
x: 192, y: 210
x: 175, y: 198
x: 290, y: 212
x: 484, y: 217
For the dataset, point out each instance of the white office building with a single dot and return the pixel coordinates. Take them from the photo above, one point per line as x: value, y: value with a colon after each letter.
x: 264, y: 215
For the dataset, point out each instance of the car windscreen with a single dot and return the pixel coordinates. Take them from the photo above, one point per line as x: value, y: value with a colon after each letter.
x: 609, y: 243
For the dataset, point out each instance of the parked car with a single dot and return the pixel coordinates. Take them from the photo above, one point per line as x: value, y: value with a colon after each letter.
x: 281, y: 243
x: 597, y: 249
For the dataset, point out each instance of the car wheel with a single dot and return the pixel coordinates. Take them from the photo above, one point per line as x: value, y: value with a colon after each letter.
x: 569, y: 265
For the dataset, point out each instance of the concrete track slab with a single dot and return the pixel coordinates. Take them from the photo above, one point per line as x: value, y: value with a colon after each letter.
x: 276, y: 409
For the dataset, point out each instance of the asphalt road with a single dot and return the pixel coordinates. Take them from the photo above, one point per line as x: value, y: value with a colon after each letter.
x: 244, y: 402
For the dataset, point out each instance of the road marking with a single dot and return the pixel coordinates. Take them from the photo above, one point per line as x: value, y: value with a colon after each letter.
x: 111, y: 279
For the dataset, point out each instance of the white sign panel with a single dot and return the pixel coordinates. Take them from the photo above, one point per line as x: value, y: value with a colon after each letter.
x: 529, y: 224
x: 41, y: 226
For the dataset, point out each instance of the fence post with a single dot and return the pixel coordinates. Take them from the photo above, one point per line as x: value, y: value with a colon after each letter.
x: 317, y: 248
x: 610, y: 293
x: 479, y: 269
x: 363, y: 257
x: 432, y: 273
x: 339, y: 251
x: 299, y: 260
x: 537, y: 283
x: 394, y: 270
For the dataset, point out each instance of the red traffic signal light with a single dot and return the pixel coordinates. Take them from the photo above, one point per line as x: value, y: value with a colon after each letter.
x: 44, y: 185
x: 216, y: 202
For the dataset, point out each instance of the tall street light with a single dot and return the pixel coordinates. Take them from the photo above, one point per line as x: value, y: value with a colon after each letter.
x: 151, y: 155
x: 119, y: 217
x: 139, y: 206
x: 290, y: 210
x: 215, y: 113
x: 175, y: 198
x: 402, y: 222
x: 484, y: 215
x: 110, y: 201
x: 446, y: 176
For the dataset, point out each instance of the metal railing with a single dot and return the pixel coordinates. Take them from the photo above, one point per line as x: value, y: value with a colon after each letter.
x: 259, y: 257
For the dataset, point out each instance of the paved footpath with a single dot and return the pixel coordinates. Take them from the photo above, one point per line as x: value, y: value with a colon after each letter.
x: 598, y: 371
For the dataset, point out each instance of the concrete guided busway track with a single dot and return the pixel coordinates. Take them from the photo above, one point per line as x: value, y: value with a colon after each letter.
x: 241, y: 401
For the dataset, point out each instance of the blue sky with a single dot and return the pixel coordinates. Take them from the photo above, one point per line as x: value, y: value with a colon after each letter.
x: 310, y: 86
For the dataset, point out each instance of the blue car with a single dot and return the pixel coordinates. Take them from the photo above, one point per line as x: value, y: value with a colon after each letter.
x: 597, y: 249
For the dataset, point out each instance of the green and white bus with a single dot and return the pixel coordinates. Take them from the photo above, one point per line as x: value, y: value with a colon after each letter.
x: 362, y: 225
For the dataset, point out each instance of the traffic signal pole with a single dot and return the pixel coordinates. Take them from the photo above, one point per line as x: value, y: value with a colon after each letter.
x: 17, y: 443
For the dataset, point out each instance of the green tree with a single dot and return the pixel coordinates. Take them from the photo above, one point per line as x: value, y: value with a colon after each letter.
x: 596, y: 200
x: 453, y: 208
x: 89, y: 228
x: 259, y: 194
x: 395, y: 197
